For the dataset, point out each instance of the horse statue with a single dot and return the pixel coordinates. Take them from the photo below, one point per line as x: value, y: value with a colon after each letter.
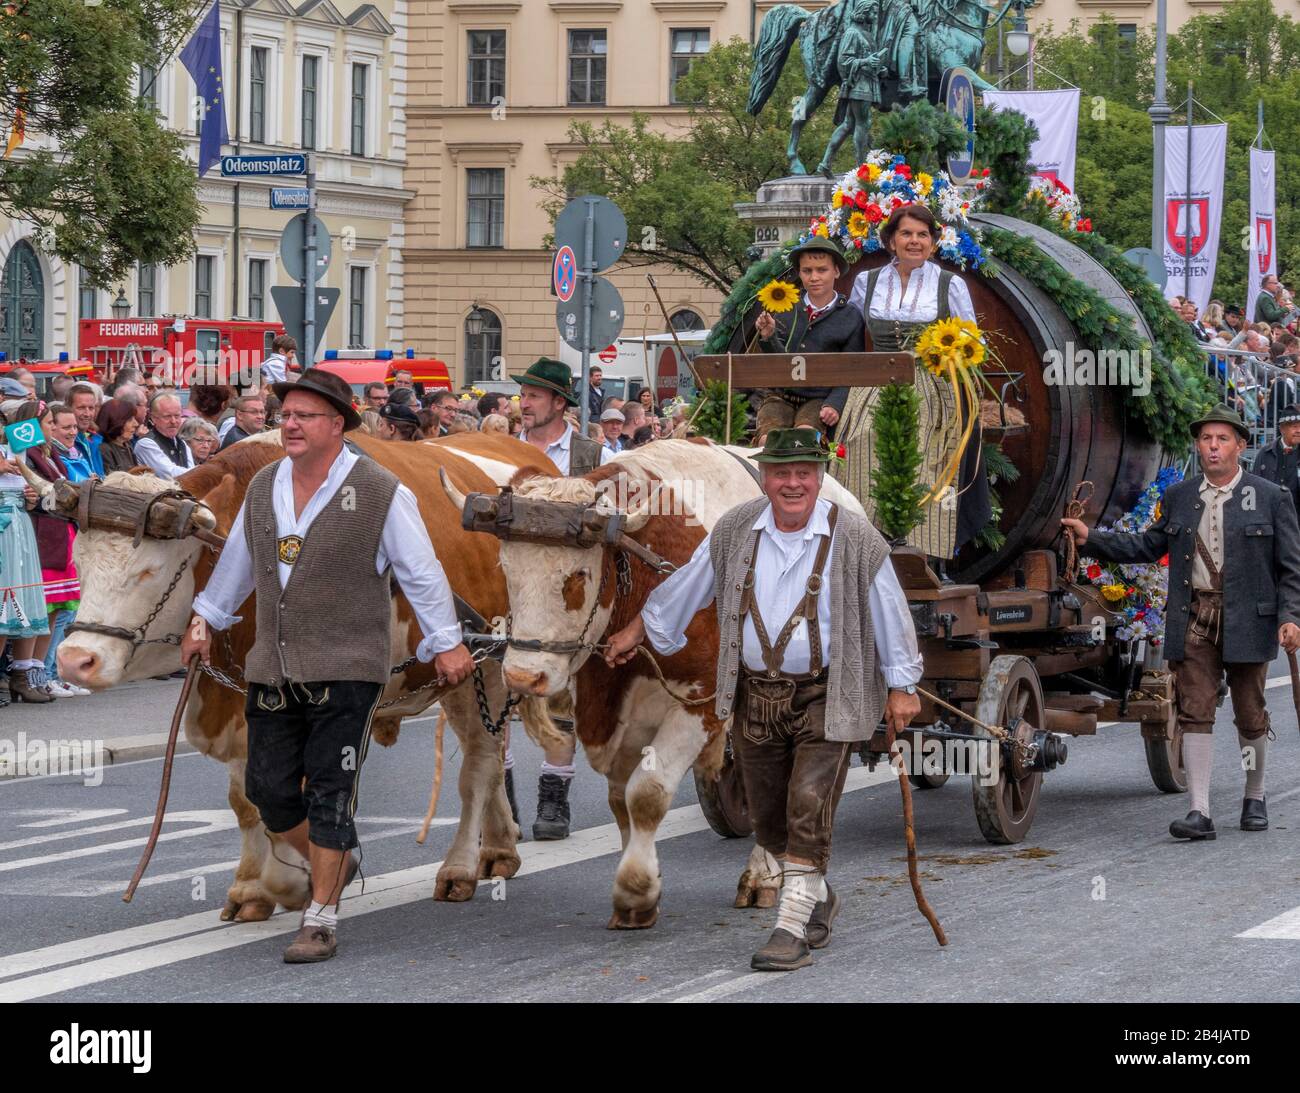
x: 917, y: 41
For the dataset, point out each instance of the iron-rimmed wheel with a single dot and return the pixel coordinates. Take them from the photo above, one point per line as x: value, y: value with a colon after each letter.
x: 1011, y: 697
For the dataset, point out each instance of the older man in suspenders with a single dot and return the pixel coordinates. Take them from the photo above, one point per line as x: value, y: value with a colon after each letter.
x: 845, y: 653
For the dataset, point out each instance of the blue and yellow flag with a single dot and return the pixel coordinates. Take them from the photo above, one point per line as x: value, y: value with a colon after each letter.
x: 202, y: 58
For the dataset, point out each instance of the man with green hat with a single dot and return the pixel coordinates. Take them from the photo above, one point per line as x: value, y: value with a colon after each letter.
x: 822, y: 322
x: 1233, y: 545
x: 545, y: 391
x: 794, y: 565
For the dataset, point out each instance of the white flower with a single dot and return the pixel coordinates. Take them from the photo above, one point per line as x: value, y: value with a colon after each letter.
x: 948, y: 237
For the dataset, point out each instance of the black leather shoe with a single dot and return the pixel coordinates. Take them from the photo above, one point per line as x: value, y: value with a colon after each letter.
x: 552, y: 808
x: 783, y: 953
x: 818, y: 930
x: 1197, y: 825
x: 1254, y: 816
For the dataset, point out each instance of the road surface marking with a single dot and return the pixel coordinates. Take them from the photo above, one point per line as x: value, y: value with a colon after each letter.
x: 202, y: 934
x: 731, y: 986
x: 1284, y: 927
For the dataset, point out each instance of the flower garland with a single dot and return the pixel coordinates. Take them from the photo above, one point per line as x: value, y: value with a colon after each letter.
x: 864, y: 198
x: 1062, y: 206
x: 1136, y: 592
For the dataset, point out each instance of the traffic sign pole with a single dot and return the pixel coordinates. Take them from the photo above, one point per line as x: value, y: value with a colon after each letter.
x: 308, y: 347
x: 588, y: 277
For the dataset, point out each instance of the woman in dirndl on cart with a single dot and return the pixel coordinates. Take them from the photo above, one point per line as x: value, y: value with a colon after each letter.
x: 897, y: 301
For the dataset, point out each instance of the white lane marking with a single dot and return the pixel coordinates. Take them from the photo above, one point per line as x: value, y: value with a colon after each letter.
x: 61, y: 816
x: 731, y: 986
x: 206, y: 815
x: 1283, y: 927
x: 167, y: 944
x: 30, y: 778
x: 212, y: 820
x: 696, y: 981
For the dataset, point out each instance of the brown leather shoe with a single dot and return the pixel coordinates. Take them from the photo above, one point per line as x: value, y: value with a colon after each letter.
x: 20, y: 687
x: 783, y: 953
x: 311, y: 945
x: 818, y: 930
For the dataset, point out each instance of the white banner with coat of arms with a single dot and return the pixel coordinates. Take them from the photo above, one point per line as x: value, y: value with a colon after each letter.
x: 1192, y: 219
x: 1056, y: 116
x: 1263, y: 225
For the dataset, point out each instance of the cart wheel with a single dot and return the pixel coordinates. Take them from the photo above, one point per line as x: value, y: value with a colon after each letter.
x: 928, y: 781
x: 1165, y: 761
x: 722, y: 799
x: 1011, y: 697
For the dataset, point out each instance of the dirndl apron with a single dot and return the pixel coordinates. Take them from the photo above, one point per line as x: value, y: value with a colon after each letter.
x: 22, y: 589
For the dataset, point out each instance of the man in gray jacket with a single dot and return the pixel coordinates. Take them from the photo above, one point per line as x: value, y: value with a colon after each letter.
x: 801, y: 700
x: 1234, y: 593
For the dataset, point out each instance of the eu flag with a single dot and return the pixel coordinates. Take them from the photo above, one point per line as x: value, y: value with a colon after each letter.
x: 202, y: 58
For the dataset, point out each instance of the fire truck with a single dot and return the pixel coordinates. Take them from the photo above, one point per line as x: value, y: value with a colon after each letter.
x: 183, y: 350
x: 46, y: 372
x: 362, y: 367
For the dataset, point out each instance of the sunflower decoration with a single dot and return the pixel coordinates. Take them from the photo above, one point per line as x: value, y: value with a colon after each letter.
x: 778, y: 297
x: 859, y: 225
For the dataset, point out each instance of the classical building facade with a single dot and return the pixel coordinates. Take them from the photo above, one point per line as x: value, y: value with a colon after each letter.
x: 317, y: 75
x: 1130, y: 14
x: 494, y: 87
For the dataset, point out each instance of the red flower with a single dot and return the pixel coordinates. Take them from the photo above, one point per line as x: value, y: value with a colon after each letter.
x: 873, y: 212
x: 1085, y: 225
x: 858, y: 243
x: 839, y: 452
x: 1094, y: 571
x: 904, y: 170
x: 864, y: 171
x: 895, y: 202
x: 861, y: 200
x: 1165, y: 560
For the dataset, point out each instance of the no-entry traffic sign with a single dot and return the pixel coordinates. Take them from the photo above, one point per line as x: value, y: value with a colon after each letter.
x: 608, y: 355
x: 564, y: 275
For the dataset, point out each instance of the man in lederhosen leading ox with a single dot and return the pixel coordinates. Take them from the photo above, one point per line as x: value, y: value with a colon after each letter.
x: 1234, y: 593
x: 318, y: 529
x: 1280, y: 462
x: 802, y: 695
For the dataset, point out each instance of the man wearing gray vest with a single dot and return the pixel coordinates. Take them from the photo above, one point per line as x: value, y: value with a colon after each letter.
x: 545, y: 391
x: 316, y: 530
x: 777, y: 565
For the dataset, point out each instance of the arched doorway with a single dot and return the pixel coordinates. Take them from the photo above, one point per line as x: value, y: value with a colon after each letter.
x: 22, y: 305
x: 483, y: 350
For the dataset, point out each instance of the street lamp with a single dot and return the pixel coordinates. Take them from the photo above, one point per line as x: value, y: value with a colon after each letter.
x: 1020, y: 41
x: 474, y: 322
x: 121, y: 307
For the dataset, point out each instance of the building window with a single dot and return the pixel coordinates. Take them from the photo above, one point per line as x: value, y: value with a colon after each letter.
x: 1128, y: 33
x: 484, y: 349
x: 687, y: 46
x: 87, y: 297
x: 146, y: 290
x: 487, y: 207
x: 257, y: 288
x: 360, y: 78
x: 202, y: 287
x: 487, y: 67
x: 356, y: 307
x: 587, y: 67
x: 257, y: 94
x: 310, y: 74
x: 149, y: 86
x: 685, y: 320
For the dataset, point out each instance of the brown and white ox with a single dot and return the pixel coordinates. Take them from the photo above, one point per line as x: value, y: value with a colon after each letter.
x: 642, y: 735
x: 120, y: 586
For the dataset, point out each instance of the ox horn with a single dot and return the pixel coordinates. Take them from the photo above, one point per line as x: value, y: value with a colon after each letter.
x: 58, y: 497
x: 457, y: 498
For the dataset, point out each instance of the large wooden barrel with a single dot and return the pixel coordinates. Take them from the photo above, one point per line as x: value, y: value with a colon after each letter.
x: 1076, y: 433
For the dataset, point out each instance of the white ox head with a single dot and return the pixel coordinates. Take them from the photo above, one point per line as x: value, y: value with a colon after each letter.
x: 120, y: 586
x: 554, y: 588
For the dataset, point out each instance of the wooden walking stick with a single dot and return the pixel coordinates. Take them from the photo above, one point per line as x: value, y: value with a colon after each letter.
x: 437, y: 777
x: 913, y: 874
x: 191, y: 671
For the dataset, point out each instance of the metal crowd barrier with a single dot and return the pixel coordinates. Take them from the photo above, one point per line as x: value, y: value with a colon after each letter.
x: 1257, y: 389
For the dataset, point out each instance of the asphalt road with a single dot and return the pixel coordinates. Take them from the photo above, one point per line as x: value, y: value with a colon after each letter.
x: 1098, y: 903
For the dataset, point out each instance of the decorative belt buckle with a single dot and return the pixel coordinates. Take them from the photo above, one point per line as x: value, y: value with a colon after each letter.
x: 289, y: 548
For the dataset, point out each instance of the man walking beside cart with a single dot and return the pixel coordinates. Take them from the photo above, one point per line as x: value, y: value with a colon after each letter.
x: 1234, y: 593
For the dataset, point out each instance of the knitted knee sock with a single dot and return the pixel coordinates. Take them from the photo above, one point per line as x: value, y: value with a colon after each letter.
x: 805, y: 887
x: 320, y: 915
x: 1252, y: 759
x: 1198, y: 755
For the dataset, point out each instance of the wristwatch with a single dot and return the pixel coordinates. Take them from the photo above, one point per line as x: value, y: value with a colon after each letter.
x: 910, y: 689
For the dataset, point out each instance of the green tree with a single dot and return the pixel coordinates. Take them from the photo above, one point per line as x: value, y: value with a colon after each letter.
x: 117, y: 190
x: 679, y: 192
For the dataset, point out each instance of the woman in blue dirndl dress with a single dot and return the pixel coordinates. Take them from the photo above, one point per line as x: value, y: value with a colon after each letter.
x: 23, y: 615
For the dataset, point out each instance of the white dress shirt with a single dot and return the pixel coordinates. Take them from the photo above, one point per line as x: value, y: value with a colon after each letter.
x: 405, y: 545
x: 275, y: 369
x: 1210, y: 528
x: 781, y: 571
x: 152, y: 456
x: 560, y: 451
x: 922, y: 291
